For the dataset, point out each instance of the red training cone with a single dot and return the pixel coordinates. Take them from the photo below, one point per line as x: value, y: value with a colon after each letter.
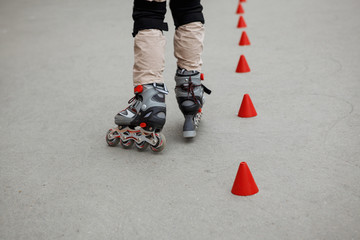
x: 242, y: 0
x: 247, y: 108
x: 242, y: 66
x: 244, y: 184
x: 240, y: 9
x: 244, y: 40
x: 241, y: 23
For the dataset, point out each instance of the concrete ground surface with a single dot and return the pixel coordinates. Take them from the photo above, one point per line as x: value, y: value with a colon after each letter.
x: 66, y: 70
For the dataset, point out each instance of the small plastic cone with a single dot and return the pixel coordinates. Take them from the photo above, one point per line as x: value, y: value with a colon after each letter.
x: 247, y: 108
x: 241, y: 23
x: 240, y: 9
x: 244, y: 184
x: 242, y: 0
x: 244, y: 40
x: 242, y: 66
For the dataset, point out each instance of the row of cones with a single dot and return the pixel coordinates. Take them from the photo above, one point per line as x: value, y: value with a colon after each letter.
x: 247, y: 108
x: 244, y: 184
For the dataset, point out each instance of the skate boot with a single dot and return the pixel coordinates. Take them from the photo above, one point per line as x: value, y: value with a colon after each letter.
x: 190, y: 97
x: 142, y: 121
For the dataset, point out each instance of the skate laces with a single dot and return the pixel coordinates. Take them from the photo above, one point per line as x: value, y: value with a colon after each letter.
x: 190, y: 90
x: 189, y: 87
x: 132, y: 103
x: 132, y: 100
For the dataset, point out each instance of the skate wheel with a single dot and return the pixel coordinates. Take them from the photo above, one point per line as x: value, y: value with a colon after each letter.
x: 127, y: 144
x: 197, y: 119
x: 142, y: 146
x: 110, y: 139
x: 161, y: 144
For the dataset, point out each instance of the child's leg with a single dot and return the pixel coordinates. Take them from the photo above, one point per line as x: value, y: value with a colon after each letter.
x: 142, y: 121
x: 189, y: 33
x: 149, y: 42
x: 188, y: 47
x: 149, y: 57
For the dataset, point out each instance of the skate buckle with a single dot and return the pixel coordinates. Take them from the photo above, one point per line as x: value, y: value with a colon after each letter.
x: 157, y: 87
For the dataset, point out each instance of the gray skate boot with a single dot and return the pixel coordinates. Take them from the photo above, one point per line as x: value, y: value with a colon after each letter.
x: 190, y: 96
x: 142, y: 121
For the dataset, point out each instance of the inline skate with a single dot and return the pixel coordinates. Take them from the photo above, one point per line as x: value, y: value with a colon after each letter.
x: 190, y: 96
x: 142, y: 121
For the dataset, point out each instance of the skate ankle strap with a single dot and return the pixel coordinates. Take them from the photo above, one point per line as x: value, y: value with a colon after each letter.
x: 161, y: 87
x: 206, y: 90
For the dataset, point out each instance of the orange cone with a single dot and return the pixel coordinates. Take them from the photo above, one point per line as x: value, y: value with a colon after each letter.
x: 242, y: 66
x: 241, y: 23
x: 244, y: 40
x: 247, y: 108
x: 240, y: 9
x: 244, y: 184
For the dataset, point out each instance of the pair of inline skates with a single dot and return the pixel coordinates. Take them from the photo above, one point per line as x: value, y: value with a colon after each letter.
x: 142, y: 121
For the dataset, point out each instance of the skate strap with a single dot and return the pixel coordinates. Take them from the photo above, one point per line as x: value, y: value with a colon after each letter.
x: 190, y: 88
x: 161, y: 88
x: 206, y: 90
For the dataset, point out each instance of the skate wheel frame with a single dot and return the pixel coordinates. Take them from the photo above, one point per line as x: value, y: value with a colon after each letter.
x: 142, y: 138
x: 197, y: 119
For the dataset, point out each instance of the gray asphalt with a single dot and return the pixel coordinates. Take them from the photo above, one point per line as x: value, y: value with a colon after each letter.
x: 65, y: 71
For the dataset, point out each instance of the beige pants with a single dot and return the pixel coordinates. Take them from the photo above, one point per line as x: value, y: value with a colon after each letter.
x: 149, y: 51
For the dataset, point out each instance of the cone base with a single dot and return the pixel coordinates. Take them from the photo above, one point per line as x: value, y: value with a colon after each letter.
x: 247, y: 116
x: 244, y: 195
x: 243, y: 71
